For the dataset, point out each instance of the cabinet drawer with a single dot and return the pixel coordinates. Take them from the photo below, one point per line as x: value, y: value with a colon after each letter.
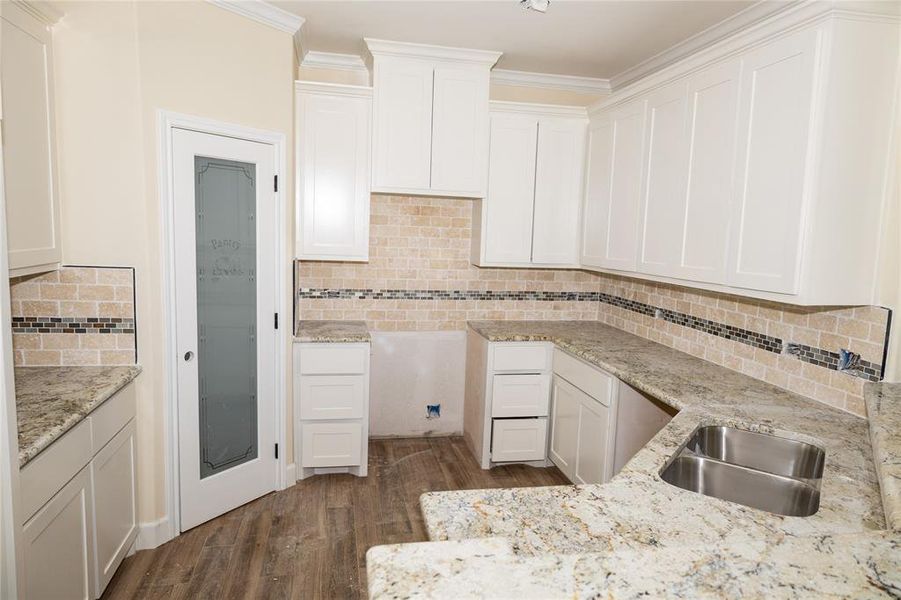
x: 49, y: 471
x: 332, y: 444
x: 324, y: 397
x: 520, y: 395
x: 112, y: 416
x: 590, y: 380
x: 521, y: 357
x: 518, y: 439
x: 334, y: 359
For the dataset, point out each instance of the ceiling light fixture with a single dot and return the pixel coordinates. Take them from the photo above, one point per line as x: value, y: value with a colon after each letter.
x: 538, y: 5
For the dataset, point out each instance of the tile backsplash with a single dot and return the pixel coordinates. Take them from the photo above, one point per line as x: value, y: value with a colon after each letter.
x: 74, y: 316
x: 419, y: 278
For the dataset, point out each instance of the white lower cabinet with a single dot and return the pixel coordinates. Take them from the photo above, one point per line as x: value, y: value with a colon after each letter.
x: 59, y: 544
x: 78, y: 502
x: 331, y: 407
x: 516, y: 440
x: 583, y: 420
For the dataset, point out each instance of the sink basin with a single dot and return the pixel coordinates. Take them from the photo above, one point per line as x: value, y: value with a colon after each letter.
x: 760, y: 451
x: 750, y: 487
x: 766, y: 472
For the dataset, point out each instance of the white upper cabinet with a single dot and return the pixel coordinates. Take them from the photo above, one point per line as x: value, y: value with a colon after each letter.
x: 333, y: 123
x: 558, y: 191
x: 755, y: 167
x: 29, y: 139
x: 777, y: 93
x: 535, y: 172
x: 613, y: 202
x: 430, y: 119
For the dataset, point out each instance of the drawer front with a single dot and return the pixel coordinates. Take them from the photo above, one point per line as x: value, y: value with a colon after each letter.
x: 325, y: 397
x: 332, y: 444
x: 590, y: 380
x: 520, y: 395
x: 520, y: 357
x: 113, y: 415
x: 518, y: 439
x: 49, y: 471
x: 334, y: 359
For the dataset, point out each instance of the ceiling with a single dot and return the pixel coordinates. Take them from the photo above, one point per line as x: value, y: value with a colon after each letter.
x: 600, y: 38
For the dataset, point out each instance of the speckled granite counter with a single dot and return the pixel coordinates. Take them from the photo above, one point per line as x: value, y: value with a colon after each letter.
x: 52, y: 400
x: 884, y: 412
x: 637, y: 525
x: 331, y: 331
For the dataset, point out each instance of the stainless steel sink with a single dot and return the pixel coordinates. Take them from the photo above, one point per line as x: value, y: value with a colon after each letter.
x: 762, y: 471
x: 760, y: 451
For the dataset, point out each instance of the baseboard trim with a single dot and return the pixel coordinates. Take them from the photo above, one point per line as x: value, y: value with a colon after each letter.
x: 290, y: 475
x: 153, y: 533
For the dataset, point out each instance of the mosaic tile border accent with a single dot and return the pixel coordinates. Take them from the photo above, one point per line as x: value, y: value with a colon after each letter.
x: 72, y: 325
x: 817, y: 356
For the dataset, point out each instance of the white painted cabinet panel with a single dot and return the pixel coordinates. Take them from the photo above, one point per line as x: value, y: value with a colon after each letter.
x: 663, y: 192
x: 333, y: 146
x: 402, y: 124
x: 594, y: 457
x: 516, y: 440
x: 59, y: 545
x: 459, y: 131
x: 599, y: 164
x: 115, y: 509
x: 558, y: 191
x: 508, y: 207
x: 713, y: 110
x: 332, y: 444
x: 520, y: 395
x: 29, y: 139
x: 777, y: 91
x: 564, y: 426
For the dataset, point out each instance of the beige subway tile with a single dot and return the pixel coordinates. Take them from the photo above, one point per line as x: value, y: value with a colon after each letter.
x: 97, y: 292
x: 59, y: 341
x: 19, y: 358
x: 97, y: 341
x: 40, y: 308
x: 40, y: 358
x: 58, y: 291
x: 78, y: 275
x: 833, y: 342
x: 124, y: 341
x: 123, y: 310
x: 79, y: 357
x: 77, y: 309
x: 25, y: 290
x: 26, y: 341
x: 117, y: 357
x: 115, y: 276
x: 823, y: 322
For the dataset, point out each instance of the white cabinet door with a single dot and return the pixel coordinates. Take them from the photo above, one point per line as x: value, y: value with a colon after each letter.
x: 29, y: 153
x: 663, y: 192
x: 519, y: 395
x: 558, y: 191
x: 333, y: 175
x: 507, y: 231
x: 713, y: 108
x: 774, y: 129
x: 594, y: 441
x: 459, y: 130
x: 596, y: 206
x: 402, y: 125
x: 564, y: 426
x: 332, y: 444
x: 116, y: 525
x: 516, y: 440
x: 59, y: 546
x: 614, y: 198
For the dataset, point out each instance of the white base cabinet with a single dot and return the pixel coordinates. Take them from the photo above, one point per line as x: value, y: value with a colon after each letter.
x: 78, y: 499
x: 331, y: 408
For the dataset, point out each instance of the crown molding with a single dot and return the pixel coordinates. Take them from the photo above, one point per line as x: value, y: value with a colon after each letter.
x: 572, y: 83
x: 331, y: 60
x: 46, y: 12
x: 263, y: 12
x: 333, y: 89
x: 542, y: 110
x: 753, y: 15
x: 408, y: 49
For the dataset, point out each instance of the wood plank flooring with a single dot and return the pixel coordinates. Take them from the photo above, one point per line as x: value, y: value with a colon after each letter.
x: 310, y: 540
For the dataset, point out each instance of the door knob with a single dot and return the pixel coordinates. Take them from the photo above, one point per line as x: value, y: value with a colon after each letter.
x: 188, y: 356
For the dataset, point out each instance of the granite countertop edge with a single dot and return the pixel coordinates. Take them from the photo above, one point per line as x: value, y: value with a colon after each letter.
x: 52, y: 400
x: 883, y: 402
x: 331, y: 332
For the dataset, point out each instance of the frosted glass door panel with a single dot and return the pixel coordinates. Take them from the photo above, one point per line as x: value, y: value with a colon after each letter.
x: 225, y: 196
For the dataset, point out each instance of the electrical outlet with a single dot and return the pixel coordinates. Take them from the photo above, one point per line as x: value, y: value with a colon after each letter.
x: 432, y: 411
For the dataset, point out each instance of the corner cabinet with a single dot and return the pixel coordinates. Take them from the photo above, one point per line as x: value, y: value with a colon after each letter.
x: 430, y: 119
x: 535, y: 171
x: 29, y: 141
x: 750, y: 168
x: 333, y: 166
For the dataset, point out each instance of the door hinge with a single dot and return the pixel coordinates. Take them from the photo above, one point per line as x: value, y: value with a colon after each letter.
x: 276, y: 451
x: 275, y: 183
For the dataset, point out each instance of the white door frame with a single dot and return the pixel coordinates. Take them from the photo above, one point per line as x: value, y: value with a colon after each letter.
x: 167, y: 122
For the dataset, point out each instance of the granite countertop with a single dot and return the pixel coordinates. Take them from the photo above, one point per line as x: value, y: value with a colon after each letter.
x: 638, y: 518
x: 883, y: 402
x: 52, y: 400
x: 331, y: 331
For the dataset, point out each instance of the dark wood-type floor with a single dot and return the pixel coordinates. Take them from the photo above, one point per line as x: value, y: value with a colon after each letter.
x: 310, y: 540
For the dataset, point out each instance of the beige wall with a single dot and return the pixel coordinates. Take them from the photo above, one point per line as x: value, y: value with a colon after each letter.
x: 117, y: 64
